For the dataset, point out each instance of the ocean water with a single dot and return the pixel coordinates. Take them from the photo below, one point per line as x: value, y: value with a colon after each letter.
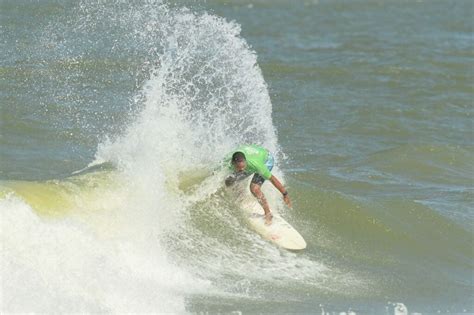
x: 115, y: 116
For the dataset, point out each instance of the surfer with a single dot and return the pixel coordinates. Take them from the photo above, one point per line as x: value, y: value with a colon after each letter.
x: 253, y: 159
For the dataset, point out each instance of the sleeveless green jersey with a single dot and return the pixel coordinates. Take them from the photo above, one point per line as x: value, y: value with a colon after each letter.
x: 256, y: 157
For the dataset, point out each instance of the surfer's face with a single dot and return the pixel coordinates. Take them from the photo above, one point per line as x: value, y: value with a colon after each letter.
x: 240, y: 166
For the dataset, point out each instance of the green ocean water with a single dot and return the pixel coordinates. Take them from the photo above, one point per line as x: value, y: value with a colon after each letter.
x: 115, y: 114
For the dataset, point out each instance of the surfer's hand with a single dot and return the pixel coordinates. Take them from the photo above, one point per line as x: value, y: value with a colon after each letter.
x: 268, y: 218
x: 287, y: 200
x: 229, y: 181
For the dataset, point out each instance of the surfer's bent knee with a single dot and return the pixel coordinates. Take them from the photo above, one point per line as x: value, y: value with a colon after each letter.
x: 254, y: 188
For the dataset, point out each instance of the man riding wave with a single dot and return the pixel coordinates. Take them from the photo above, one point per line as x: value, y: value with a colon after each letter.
x: 252, y: 159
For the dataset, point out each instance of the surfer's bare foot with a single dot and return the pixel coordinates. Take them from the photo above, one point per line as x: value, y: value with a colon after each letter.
x: 268, y: 218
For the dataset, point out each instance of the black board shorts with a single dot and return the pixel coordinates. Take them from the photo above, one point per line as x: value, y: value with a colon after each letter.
x: 257, y: 179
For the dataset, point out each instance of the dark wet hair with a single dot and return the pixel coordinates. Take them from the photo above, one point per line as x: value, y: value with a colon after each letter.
x: 238, y: 157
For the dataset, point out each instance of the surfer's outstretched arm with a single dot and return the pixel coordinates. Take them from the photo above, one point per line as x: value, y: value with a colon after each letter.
x: 278, y: 185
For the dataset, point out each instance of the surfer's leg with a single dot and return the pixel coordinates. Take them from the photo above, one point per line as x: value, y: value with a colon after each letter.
x: 256, y: 190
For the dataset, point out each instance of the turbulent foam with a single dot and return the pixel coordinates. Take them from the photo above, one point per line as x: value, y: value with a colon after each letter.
x: 51, y: 266
x: 102, y: 246
x: 205, y: 96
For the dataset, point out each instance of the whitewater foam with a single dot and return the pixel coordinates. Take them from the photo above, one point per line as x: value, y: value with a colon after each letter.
x: 62, y: 266
x: 204, y: 95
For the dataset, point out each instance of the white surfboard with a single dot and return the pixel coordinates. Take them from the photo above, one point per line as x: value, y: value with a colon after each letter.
x: 279, y: 231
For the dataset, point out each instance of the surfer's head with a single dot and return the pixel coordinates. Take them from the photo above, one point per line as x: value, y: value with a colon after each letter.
x: 238, y: 161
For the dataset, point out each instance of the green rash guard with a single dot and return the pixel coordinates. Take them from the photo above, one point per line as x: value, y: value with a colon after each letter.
x: 256, y: 157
